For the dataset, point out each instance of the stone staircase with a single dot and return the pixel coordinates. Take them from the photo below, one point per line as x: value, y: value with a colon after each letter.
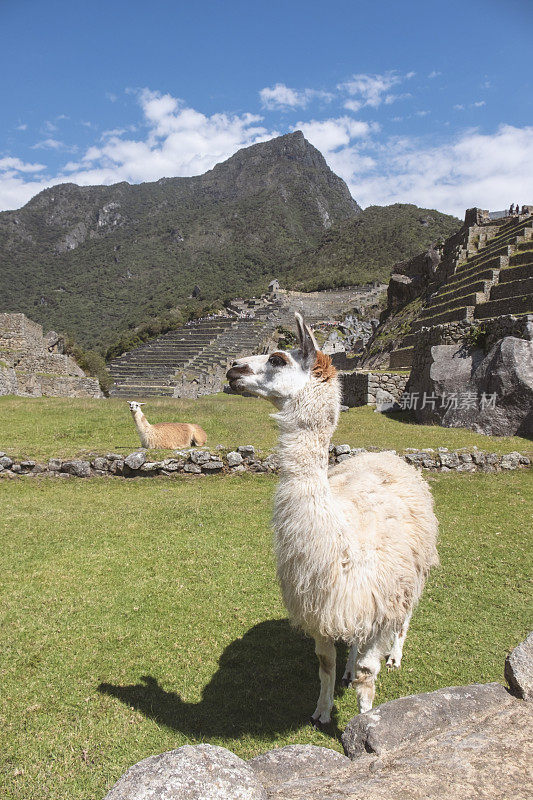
x: 492, y: 275
x: 193, y: 360
x: 149, y: 370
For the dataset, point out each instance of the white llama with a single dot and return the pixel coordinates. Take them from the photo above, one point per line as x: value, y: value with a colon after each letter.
x: 165, y: 434
x: 353, y: 547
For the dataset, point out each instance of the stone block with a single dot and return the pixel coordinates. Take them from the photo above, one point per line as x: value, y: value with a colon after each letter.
x: 135, y: 460
x: 234, y: 459
x: 77, y: 468
x: 409, y: 720
x: 194, y: 772
x: 519, y: 669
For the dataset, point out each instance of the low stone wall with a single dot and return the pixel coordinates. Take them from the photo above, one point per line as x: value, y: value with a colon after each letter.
x: 196, y: 462
x: 361, y: 388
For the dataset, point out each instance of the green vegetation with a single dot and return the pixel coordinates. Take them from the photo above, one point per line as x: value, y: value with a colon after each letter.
x: 367, y: 247
x: 41, y: 428
x: 113, y: 265
x: 144, y: 615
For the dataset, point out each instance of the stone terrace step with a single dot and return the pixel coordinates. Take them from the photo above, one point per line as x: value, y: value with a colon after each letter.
x: 507, y: 305
x: 461, y: 300
x: 512, y: 273
x: 477, y: 287
x: 454, y: 315
x: 512, y: 289
x: 403, y: 357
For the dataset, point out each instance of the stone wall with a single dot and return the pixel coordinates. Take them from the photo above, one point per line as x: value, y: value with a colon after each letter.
x: 196, y: 462
x: 360, y: 388
x: 30, y: 365
x: 488, y: 331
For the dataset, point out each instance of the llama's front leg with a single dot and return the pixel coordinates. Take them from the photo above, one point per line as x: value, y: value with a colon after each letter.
x: 325, y: 650
x: 349, y: 672
x: 367, y: 666
x: 394, y: 659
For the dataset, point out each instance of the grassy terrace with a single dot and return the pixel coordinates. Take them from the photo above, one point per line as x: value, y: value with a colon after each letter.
x: 138, y: 616
x: 42, y: 428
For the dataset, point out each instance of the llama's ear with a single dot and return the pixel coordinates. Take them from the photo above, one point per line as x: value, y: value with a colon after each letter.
x: 306, y: 341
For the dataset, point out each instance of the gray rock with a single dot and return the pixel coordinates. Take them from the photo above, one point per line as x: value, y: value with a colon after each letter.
x: 27, y: 464
x: 135, y: 460
x: 412, y: 719
x: 99, y: 463
x: 519, y: 669
x: 246, y: 450
x: 450, y: 460
x: 6, y: 462
x: 199, y: 456
x: 113, y: 457
x: 194, y: 469
x: 234, y: 459
x: 343, y: 457
x: 271, y: 462
x: 504, y: 374
x: 172, y: 464
x: 510, y: 461
x: 385, y: 401
x: 200, y: 772
x: 80, y: 469
x: 342, y: 449
x: 116, y: 467
x: 150, y: 466
x: 290, y: 767
x: 213, y: 466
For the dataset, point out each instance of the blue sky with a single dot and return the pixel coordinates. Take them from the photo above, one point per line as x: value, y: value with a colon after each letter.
x: 424, y: 102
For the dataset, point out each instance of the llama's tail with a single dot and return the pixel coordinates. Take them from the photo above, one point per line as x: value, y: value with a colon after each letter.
x: 199, y: 436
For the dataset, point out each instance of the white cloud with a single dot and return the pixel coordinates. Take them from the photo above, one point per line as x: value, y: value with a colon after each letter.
x: 485, y: 170
x: 283, y: 97
x: 373, y: 90
x: 462, y: 106
x: 48, y: 144
x: 353, y: 105
x: 434, y: 74
x: 16, y: 165
x: 22, y: 127
x: 330, y: 134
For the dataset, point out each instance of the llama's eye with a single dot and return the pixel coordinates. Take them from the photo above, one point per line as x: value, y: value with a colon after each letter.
x: 277, y: 361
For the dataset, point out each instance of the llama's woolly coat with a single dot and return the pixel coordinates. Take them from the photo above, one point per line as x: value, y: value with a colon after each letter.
x: 168, y: 434
x: 353, y: 547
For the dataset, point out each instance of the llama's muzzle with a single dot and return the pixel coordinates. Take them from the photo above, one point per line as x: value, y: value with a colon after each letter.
x: 235, y: 372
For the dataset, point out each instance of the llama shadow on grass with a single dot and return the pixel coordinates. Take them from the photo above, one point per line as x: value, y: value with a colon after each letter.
x: 266, y: 684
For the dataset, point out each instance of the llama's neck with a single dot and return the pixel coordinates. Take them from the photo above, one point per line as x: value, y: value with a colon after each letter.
x: 307, y: 522
x: 142, y: 425
x: 306, y: 424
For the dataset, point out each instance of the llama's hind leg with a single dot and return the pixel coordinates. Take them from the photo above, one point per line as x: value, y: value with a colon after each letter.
x: 325, y: 650
x: 349, y: 672
x: 394, y: 659
x: 367, y: 667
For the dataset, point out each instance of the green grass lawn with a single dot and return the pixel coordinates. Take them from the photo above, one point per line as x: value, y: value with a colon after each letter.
x: 41, y: 428
x: 139, y: 616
